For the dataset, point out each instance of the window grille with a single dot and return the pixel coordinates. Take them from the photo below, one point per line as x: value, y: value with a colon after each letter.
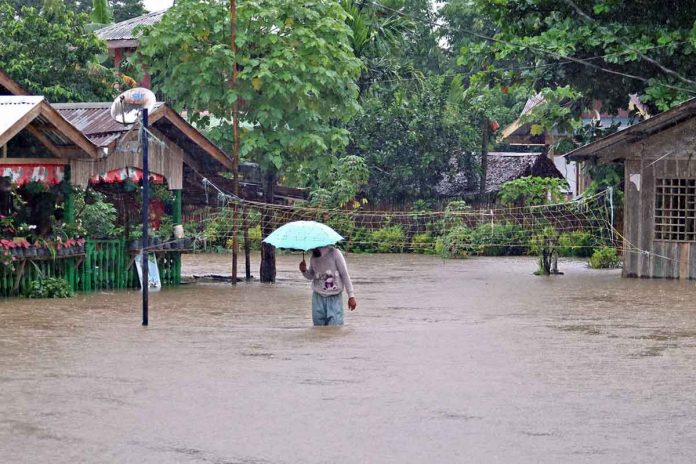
x: 675, y: 210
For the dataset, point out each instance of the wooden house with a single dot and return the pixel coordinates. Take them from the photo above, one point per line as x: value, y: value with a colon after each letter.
x: 659, y: 232
x: 44, y: 146
x: 122, y: 40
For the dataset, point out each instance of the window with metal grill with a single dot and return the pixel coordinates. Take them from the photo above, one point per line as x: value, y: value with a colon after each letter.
x: 675, y: 210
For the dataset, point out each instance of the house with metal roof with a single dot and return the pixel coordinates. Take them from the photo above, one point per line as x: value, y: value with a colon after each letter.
x: 659, y: 224
x: 45, y: 149
x: 122, y: 38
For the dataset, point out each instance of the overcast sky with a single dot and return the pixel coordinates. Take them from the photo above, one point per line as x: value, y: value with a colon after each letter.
x: 156, y: 5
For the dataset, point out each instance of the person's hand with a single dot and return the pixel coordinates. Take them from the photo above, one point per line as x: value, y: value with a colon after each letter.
x: 352, y: 304
x: 303, y: 266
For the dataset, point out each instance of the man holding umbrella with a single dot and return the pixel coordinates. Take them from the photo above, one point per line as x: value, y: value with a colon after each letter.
x: 329, y: 276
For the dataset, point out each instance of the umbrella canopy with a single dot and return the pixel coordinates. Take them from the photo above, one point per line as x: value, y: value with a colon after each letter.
x: 303, y: 235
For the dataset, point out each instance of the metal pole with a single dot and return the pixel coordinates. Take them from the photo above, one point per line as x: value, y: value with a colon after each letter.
x: 146, y: 216
x: 235, y: 145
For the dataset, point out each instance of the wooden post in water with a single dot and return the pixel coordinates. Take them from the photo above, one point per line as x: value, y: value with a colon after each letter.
x: 235, y: 144
x: 247, y: 247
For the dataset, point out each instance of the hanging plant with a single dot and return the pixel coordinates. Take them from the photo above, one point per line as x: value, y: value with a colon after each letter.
x: 35, y: 187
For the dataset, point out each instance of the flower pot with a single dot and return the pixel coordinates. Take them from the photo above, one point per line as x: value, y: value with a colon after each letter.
x: 30, y: 252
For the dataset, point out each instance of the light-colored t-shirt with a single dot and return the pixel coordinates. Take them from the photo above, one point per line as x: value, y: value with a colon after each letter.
x: 328, y: 273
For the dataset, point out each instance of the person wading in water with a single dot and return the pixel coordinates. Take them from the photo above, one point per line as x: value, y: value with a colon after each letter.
x: 329, y: 275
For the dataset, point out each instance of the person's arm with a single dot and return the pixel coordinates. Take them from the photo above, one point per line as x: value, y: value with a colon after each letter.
x: 307, y: 272
x: 345, y: 276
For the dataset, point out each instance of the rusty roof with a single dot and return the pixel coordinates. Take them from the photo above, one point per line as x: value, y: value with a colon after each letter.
x: 124, y: 29
x: 94, y: 120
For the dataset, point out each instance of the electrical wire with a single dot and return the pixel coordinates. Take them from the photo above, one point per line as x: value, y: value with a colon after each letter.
x: 552, y: 53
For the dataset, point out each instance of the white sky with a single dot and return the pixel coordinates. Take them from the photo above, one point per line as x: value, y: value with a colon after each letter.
x: 156, y: 5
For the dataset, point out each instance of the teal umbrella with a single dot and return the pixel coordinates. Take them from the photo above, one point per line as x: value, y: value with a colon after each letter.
x: 303, y: 235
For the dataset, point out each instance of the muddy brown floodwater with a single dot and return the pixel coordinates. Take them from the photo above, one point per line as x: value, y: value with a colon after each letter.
x: 473, y: 361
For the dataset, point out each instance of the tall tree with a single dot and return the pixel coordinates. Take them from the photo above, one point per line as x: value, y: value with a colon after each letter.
x: 410, y: 140
x: 605, y: 49
x: 78, y: 6
x: 378, y: 38
x: 50, y: 53
x: 126, y: 9
x: 101, y: 12
x: 296, y: 80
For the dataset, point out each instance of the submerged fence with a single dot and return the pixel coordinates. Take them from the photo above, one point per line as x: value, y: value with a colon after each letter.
x: 104, y: 265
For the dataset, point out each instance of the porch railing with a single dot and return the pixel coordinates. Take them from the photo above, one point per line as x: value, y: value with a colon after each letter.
x: 105, y: 265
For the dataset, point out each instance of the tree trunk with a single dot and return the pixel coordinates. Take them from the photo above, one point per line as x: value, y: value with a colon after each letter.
x: 484, y: 158
x: 268, y: 264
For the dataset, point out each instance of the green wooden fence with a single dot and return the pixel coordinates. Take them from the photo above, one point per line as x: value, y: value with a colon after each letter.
x: 105, y: 265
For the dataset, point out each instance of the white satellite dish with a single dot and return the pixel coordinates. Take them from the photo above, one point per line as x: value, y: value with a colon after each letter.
x: 127, y: 106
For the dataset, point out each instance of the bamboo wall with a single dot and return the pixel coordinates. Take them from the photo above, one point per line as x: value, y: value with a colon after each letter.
x: 166, y: 160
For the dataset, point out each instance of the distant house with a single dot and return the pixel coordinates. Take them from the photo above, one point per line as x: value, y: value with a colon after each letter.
x: 122, y: 40
x: 520, y: 134
x: 660, y: 191
x: 502, y: 167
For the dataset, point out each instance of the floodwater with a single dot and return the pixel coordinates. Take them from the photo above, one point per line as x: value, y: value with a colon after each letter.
x: 473, y: 361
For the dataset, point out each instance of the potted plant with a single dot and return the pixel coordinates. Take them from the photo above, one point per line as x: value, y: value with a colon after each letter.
x: 135, y: 238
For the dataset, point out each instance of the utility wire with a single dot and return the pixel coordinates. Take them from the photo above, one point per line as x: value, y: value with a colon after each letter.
x: 557, y: 55
x: 627, y: 45
x: 522, y: 68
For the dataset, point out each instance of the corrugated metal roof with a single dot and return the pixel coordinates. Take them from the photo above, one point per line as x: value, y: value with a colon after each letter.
x: 94, y: 120
x: 124, y: 29
x: 606, y: 147
x: 13, y: 108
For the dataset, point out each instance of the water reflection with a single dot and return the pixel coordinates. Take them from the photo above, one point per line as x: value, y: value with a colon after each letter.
x: 444, y: 361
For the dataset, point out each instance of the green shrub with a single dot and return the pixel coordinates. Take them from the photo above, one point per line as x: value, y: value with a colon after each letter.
x: 99, y: 219
x: 341, y: 223
x: 50, y: 287
x: 456, y: 244
x: 499, y: 240
x: 254, y: 239
x: 545, y: 240
x: 389, y: 239
x: 359, y: 242
x: 577, y: 243
x: 423, y: 243
x: 454, y: 214
x: 605, y: 258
